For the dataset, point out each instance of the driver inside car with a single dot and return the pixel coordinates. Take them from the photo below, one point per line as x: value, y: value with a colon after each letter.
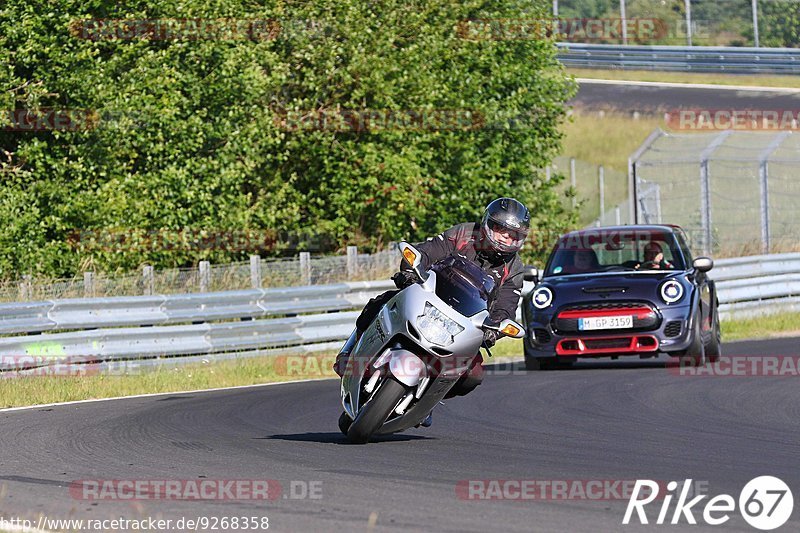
x: 654, y: 258
x: 493, y: 244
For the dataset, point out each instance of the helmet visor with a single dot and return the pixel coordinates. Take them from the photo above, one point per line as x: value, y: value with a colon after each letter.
x: 509, y: 239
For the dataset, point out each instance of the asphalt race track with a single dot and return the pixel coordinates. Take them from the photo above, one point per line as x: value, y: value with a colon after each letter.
x: 607, y: 420
x: 630, y: 97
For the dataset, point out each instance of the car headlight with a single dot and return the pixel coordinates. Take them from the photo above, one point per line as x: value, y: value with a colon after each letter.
x: 542, y: 298
x: 671, y: 291
x: 436, y: 327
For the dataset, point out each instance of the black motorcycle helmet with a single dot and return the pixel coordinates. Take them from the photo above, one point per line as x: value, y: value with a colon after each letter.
x: 504, y: 216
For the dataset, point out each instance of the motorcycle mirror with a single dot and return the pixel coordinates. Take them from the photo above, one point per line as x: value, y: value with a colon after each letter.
x: 413, y: 257
x: 509, y: 328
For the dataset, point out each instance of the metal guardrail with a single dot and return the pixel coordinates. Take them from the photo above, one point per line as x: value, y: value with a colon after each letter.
x: 84, y: 313
x: 312, y: 317
x: 288, y: 320
x: 681, y: 58
x: 758, y: 284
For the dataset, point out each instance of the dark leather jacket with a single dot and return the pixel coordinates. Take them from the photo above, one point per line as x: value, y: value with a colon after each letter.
x: 465, y: 240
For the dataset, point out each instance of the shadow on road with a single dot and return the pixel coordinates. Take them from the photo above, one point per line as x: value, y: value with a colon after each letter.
x: 335, y: 437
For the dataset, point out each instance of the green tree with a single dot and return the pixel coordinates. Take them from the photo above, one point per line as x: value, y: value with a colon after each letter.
x: 778, y: 24
x: 191, y: 133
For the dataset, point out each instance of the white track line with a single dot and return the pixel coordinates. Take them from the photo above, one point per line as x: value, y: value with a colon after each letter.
x: 150, y: 395
x: 752, y: 88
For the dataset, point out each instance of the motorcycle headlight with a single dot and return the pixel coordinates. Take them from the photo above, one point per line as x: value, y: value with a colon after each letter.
x: 542, y: 298
x: 436, y: 327
x: 671, y: 291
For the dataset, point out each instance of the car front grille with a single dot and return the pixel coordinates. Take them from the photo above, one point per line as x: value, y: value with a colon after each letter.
x: 564, y: 325
x: 600, y: 344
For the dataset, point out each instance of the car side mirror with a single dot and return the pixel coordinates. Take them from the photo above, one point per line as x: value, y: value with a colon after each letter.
x: 531, y: 273
x: 703, y: 264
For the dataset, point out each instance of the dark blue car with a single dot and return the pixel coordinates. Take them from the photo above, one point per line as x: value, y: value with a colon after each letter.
x: 622, y: 290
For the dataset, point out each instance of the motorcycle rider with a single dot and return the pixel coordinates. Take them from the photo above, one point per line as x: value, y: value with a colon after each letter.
x: 492, y: 244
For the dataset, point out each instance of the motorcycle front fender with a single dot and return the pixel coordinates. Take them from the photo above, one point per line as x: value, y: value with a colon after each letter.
x: 406, y: 367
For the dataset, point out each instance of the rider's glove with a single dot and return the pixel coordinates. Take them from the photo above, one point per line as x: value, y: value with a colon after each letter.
x: 405, y: 278
x: 490, y: 337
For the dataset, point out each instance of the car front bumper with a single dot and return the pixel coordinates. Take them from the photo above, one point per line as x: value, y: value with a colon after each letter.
x: 673, y: 334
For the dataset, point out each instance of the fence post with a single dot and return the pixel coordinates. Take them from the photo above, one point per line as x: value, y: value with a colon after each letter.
x: 88, y: 284
x: 392, y: 258
x: 705, y: 206
x: 658, y: 203
x: 763, y: 174
x: 754, y: 7
x: 687, y: 7
x: 705, y: 188
x: 255, y: 271
x: 148, y: 280
x: 601, y: 178
x: 352, y: 261
x: 205, y: 275
x: 25, y: 288
x: 305, y: 267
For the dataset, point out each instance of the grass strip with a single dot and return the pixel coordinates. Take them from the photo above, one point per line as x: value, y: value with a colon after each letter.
x: 45, y: 389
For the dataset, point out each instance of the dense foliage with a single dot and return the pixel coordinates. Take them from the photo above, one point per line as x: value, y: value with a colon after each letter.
x: 194, y: 132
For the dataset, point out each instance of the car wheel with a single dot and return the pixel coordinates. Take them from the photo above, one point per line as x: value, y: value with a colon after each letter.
x: 695, y: 354
x: 714, y: 347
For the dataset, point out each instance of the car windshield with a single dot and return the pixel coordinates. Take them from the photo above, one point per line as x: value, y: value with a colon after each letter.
x: 634, y: 250
x: 462, y: 285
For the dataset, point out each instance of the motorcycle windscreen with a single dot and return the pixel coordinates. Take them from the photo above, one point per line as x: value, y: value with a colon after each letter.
x: 462, y: 285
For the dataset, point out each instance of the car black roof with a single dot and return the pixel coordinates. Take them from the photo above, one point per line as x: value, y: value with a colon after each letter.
x: 666, y: 228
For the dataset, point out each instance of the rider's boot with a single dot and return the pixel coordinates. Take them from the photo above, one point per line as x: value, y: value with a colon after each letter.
x: 344, y: 354
x: 428, y: 420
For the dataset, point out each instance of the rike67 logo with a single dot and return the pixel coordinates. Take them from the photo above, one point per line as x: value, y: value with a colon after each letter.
x: 765, y: 503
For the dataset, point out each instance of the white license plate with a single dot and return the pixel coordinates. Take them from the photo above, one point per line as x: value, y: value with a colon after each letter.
x: 606, y: 322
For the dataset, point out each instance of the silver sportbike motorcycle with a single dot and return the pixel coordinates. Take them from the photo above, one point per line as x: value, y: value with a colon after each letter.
x: 418, y: 346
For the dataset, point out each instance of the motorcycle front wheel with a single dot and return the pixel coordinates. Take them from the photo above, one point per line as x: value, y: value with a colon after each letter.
x: 375, y: 412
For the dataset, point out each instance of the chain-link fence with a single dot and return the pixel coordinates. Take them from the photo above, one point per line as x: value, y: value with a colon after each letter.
x: 601, y: 193
x: 732, y: 191
x: 300, y: 270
